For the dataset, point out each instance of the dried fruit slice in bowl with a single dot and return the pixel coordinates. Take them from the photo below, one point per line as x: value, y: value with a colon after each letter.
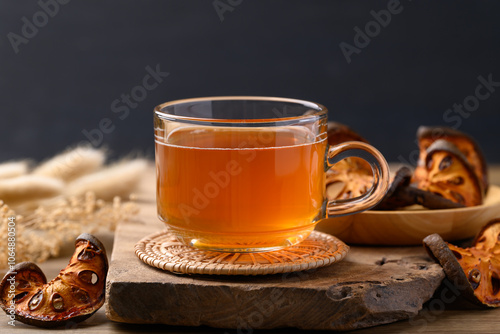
x: 339, y: 133
x: 474, y: 270
x: 395, y: 198
x: 347, y: 179
x: 74, y: 295
x: 427, y: 135
x: 402, y: 194
x: 449, y: 174
x: 351, y: 177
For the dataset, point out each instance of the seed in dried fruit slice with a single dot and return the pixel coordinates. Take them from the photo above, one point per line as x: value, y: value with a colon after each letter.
x: 474, y: 270
x: 449, y: 175
x: 427, y: 135
x: 74, y: 295
x: 401, y: 193
x: 351, y: 177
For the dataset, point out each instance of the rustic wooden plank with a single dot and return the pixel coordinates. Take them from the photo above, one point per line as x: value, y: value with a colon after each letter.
x: 371, y: 286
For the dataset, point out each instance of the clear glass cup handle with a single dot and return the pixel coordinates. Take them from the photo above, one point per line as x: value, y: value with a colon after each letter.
x: 380, y: 171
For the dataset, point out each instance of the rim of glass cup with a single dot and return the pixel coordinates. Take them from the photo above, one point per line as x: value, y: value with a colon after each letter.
x: 319, y: 112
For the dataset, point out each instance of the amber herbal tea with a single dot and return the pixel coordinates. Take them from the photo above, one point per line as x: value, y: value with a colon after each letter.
x: 253, y: 186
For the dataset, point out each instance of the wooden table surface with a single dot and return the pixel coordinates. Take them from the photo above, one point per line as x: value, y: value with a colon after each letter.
x: 432, y: 319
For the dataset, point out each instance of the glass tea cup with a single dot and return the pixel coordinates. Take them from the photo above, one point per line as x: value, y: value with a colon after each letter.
x: 247, y: 174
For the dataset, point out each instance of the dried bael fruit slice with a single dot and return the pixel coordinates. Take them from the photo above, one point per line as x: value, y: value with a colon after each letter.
x: 351, y: 177
x: 395, y: 198
x: 339, y: 133
x: 449, y: 174
x: 427, y: 135
x: 474, y: 270
x: 401, y: 193
x: 347, y: 179
x: 75, y: 294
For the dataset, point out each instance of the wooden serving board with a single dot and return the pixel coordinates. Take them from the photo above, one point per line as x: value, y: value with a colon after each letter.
x: 372, y: 286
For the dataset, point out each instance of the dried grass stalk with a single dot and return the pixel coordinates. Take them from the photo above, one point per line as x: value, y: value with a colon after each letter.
x: 120, y: 179
x: 29, y: 187
x: 13, y: 169
x: 72, y: 164
x: 43, y: 232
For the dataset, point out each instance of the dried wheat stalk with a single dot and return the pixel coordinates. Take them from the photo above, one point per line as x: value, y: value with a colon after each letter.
x: 116, y: 180
x: 13, y: 169
x: 42, y: 233
x: 64, y: 196
x: 72, y: 164
x: 29, y: 187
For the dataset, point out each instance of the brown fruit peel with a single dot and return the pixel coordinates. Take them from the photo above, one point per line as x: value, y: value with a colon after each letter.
x: 74, y: 295
x: 393, y: 199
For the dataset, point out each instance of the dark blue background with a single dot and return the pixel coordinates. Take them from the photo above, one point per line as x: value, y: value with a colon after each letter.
x: 64, y: 80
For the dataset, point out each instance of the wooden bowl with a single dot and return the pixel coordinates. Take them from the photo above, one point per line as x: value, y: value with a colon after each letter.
x: 410, y: 226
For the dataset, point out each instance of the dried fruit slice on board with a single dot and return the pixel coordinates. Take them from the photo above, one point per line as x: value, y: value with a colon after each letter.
x: 351, y: 177
x: 427, y: 135
x: 75, y: 294
x: 475, y: 270
x: 449, y: 174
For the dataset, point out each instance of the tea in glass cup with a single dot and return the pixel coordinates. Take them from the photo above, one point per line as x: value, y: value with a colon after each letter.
x: 247, y: 174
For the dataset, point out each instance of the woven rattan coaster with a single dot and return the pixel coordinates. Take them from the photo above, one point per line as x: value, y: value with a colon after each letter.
x: 163, y: 250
